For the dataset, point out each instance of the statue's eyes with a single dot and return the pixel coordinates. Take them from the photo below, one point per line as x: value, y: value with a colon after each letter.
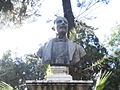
x: 62, y: 21
x: 59, y: 21
x: 65, y: 21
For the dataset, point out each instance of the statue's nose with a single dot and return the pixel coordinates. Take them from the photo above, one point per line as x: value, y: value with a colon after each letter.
x: 63, y: 23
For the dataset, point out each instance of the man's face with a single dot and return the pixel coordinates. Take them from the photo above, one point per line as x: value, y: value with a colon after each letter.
x: 61, y: 25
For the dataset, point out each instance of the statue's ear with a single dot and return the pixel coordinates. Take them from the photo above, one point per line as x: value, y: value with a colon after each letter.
x: 53, y: 28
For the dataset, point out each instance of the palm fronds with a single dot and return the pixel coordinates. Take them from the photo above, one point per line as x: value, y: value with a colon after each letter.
x: 5, y: 86
x: 102, y: 80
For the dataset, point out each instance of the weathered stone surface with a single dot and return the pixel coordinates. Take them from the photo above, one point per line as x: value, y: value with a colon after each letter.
x: 59, y: 85
x: 60, y: 69
x: 59, y: 73
x: 59, y: 77
x: 60, y: 50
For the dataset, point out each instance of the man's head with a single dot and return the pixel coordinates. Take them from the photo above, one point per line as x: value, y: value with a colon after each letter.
x: 61, y: 25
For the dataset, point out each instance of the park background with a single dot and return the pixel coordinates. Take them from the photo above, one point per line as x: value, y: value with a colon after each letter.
x: 22, y: 39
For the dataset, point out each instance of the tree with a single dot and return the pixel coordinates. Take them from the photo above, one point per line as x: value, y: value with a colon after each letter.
x: 113, y: 60
x: 102, y: 80
x: 13, y: 12
x: 6, y: 5
x: 16, y: 71
x: 5, y: 86
x: 82, y: 4
x: 82, y: 29
x: 68, y: 14
x: 84, y: 35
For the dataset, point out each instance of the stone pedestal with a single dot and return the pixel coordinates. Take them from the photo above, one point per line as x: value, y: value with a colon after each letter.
x: 59, y: 73
x: 59, y: 80
x: 59, y: 85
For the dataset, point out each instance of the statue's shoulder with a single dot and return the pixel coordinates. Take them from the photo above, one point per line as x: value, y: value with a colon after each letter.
x: 74, y: 44
x: 71, y: 42
x: 49, y: 42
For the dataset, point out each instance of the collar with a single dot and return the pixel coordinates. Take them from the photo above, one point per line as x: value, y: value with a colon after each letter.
x: 61, y: 40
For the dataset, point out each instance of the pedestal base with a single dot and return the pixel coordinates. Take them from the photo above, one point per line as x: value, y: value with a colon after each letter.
x: 59, y: 85
x: 59, y: 80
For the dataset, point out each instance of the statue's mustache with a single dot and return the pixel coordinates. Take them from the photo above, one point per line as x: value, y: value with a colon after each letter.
x: 62, y: 26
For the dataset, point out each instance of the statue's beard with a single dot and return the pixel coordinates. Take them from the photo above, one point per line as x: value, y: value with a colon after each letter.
x: 62, y: 31
x: 62, y: 34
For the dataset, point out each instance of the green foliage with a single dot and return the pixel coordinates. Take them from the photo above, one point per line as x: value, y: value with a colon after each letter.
x: 13, y: 12
x: 115, y: 37
x: 84, y: 35
x: 16, y: 71
x: 102, y: 80
x: 111, y: 63
x: 5, y: 86
x: 6, y: 5
x: 86, y: 7
x: 114, y: 59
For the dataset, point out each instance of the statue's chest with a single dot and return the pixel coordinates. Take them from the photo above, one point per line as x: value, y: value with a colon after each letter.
x: 60, y: 52
x: 60, y: 47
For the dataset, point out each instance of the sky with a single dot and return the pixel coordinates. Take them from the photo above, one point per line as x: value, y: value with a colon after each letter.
x: 28, y: 38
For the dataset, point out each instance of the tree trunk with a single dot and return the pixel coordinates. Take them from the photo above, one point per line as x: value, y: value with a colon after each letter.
x: 68, y: 14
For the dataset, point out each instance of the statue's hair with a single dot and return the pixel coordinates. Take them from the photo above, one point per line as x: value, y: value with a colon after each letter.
x: 58, y: 18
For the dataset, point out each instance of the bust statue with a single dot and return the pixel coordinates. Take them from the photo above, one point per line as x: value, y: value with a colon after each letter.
x: 60, y: 50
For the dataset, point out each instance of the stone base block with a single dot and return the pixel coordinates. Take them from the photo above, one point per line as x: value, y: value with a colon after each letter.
x: 59, y: 77
x: 59, y: 85
x: 59, y: 73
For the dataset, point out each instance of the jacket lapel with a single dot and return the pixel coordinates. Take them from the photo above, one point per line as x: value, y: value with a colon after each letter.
x: 71, y: 48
